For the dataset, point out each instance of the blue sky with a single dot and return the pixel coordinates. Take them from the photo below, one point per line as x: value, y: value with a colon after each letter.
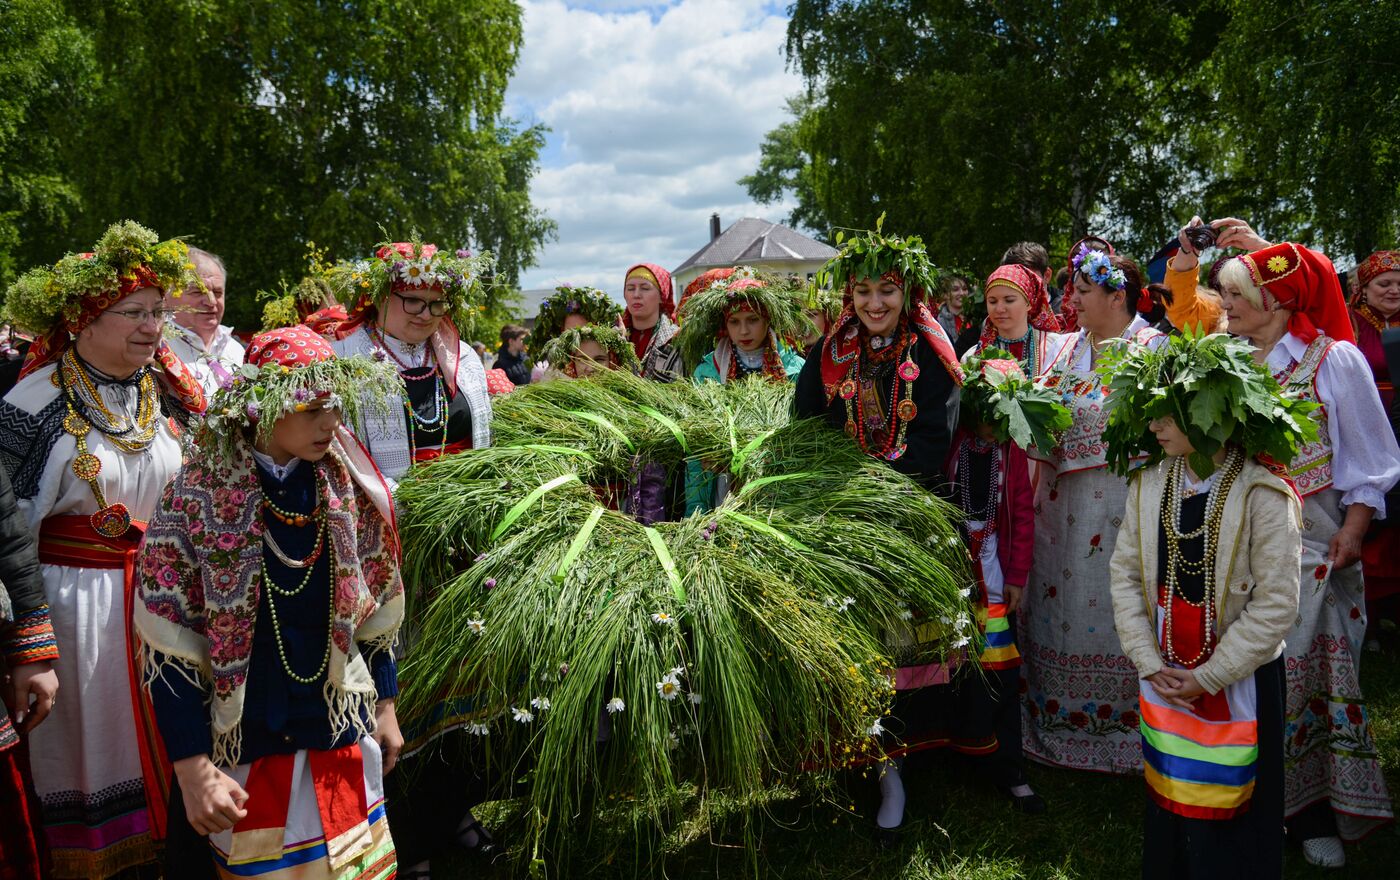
x: 656, y: 110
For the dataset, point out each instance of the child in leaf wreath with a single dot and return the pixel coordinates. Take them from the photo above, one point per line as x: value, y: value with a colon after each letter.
x: 1003, y: 412
x: 1205, y: 587
x: 580, y: 351
x: 269, y: 600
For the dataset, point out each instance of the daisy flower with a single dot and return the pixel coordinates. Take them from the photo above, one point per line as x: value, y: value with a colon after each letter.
x: 669, y: 688
x: 476, y: 728
x: 662, y: 618
x: 414, y: 273
x: 477, y: 626
x: 615, y: 705
x: 524, y: 716
x: 541, y: 703
x: 876, y: 729
x: 677, y: 671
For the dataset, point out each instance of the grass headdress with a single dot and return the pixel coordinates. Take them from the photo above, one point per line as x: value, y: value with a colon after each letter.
x: 567, y: 299
x: 704, y: 314
x: 410, y: 268
x: 560, y: 350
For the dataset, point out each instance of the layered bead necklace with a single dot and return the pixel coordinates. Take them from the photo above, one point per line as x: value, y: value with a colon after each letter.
x: 1028, y: 358
x: 1204, y: 567
x: 306, y: 565
x: 987, y: 513
x: 862, y: 396
x: 86, y: 411
x: 433, y: 423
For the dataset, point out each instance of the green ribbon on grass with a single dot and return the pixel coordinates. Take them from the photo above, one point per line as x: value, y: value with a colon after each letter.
x: 602, y: 422
x: 579, y: 542
x: 539, y: 492
x: 667, y: 562
x: 764, y: 527
x: 674, y: 428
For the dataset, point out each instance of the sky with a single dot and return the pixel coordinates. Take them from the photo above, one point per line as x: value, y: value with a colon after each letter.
x: 656, y: 110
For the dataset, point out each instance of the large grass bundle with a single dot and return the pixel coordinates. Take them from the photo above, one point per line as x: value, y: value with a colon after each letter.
x: 728, y: 650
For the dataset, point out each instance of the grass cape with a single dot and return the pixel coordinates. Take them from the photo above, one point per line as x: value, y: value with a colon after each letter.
x: 702, y: 315
x: 592, y: 303
x: 998, y: 393
x: 258, y: 396
x: 728, y: 651
x: 560, y: 351
x: 1213, y: 388
x: 46, y: 297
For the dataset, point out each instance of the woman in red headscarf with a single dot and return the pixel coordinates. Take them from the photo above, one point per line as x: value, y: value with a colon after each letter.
x: 89, y: 438
x: 1286, y: 300
x: 1019, y: 319
x: 409, y: 302
x: 650, y: 321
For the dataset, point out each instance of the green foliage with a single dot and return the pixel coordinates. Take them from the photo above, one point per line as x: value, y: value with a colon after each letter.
x: 1216, y: 392
x: 777, y: 603
x: 560, y: 350
x: 254, y: 125
x: 592, y: 303
x: 773, y: 296
x: 872, y: 254
x: 462, y: 276
x: 997, y: 393
x: 975, y: 125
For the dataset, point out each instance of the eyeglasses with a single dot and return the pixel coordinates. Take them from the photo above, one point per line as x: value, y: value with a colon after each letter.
x: 141, y: 316
x: 414, y: 306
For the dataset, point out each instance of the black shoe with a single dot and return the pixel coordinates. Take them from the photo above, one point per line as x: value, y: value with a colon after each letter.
x: 1032, y: 804
x: 887, y: 838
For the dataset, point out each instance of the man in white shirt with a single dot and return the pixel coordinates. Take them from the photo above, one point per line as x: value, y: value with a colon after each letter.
x: 196, y: 335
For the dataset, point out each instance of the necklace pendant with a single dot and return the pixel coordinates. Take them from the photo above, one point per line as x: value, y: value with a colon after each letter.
x: 906, y: 410
x: 87, y: 466
x: 897, y: 452
x: 850, y: 428
x: 112, y: 521
x: 847, y: 389
x: 908, y: 371
x: 75, y: 424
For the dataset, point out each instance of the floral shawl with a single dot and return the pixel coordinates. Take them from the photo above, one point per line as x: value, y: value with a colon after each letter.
x: 201, y: 581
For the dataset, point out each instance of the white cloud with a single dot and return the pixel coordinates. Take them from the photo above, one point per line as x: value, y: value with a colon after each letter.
x: 656, y: 112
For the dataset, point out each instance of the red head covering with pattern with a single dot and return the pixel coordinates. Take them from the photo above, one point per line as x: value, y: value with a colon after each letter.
x: 290, y: 347
x: 662, y: 278
x: 842, y: 344
x: 704, y: 280
x: 1377, y: 264
x: 1305, y: 283
x: 1032, y: 287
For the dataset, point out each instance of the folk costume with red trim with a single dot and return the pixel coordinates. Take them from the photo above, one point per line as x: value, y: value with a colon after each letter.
x: 269, y: 602
x: 87, y: 455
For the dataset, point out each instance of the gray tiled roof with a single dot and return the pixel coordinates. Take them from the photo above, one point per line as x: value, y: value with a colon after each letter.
x: 751, y: 240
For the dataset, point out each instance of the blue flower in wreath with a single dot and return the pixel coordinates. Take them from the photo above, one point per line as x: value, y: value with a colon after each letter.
x: 1098, y: 268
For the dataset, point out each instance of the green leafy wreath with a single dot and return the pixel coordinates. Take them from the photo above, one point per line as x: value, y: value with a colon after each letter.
x: 560, y: 350
x: 702, y: 316
x: 592, y: 303
x: 727, y: 651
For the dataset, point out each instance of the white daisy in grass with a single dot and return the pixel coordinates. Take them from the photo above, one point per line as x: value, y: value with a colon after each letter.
x: 662, y: 618
x: 669, y: 688
x: 962, y: 641
x: 672, y: 741
x: 694, y: 698
x: 476, y: 728
x: 678, y: 671
x: 524, y: 716
x: 477, y: 626
x: 615, y: 705
x: 541, y: 703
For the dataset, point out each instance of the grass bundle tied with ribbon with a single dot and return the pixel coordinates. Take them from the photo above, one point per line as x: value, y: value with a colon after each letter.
x: 725, y: 652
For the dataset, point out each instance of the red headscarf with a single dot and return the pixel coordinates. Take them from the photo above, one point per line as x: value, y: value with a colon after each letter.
x: 663, y: 284
x: 1377, y: 264
x: 1032, y: 287
x: 288, y: 347
x: 177, y: 377
x: 446, y: 340
x: 1305, y: 283
x: 842, y: 345
x: 704, y: 280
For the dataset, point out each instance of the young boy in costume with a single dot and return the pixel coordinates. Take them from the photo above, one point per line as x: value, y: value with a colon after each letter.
x: 269, y: 598
x: 1205, y: 586
x: 1003, y: 412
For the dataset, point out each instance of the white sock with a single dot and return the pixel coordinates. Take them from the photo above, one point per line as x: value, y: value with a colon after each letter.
x: 891, y: 814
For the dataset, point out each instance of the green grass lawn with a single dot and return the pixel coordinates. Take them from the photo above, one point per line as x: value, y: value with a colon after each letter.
x: 953, y: 827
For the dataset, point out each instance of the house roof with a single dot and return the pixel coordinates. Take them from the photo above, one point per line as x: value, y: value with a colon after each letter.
x: 753, y: 241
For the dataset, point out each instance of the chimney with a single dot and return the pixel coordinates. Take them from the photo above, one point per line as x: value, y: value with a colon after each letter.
x: 714, y: 226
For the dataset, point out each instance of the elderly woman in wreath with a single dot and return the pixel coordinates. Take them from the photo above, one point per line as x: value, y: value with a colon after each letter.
x: 409, y: 303
x: 571, y: 306
x: 884, y: 374
x: 650, y: 321
x: 269, y: 601
x: 1287, y: 301
x: 89, y: 439
x: 1081, y: 698
x: 1375, y: 308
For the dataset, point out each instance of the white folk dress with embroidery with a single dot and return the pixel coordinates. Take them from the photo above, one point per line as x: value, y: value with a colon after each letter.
x: 86, y: 762
x: 1081, y: 690
x: 1328, y: 743
x: 224, y: 355
x: 386, y: 436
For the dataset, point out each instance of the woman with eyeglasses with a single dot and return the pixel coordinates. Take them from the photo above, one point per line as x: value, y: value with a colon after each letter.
x: 407, y: 304
x: 88, y: 438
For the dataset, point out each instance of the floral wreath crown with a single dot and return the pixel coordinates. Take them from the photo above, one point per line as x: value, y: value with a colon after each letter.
x: 560, y: 350
x: 48, y: 297
x: 407, y: 266
x: 1098, y: 268
x: 257, y: 396
x: 1214, y: 390
x: 569, y: 299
